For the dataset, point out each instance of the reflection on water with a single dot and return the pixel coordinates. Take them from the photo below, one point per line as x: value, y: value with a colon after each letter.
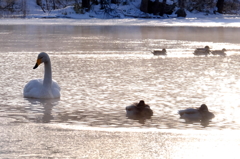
x: 99, y: 79
x: 45, y: 105
x: 204, y: 123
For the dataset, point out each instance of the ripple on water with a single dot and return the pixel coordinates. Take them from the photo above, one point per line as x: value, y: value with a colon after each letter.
x: 99, y: 81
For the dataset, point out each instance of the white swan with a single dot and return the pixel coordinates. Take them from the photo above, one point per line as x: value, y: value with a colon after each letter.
x: 42, y: 88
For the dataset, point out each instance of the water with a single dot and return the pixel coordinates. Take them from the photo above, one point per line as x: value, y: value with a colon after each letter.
x: 103, y: 69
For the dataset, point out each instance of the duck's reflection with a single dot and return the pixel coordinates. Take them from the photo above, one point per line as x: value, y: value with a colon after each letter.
x: 47, y: 105
x: 139, y: 111
x: 204, y: 123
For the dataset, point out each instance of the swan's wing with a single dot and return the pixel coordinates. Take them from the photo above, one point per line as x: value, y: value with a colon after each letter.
x: 55, y: 85
x: 55, y: 90
x: 32, y: 88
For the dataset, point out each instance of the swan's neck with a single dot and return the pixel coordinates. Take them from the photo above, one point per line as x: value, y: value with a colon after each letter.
x: 47, y: 81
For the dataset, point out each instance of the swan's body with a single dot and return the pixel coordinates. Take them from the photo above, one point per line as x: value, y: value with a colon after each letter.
x: 42, y: 88
x: 160, y: 52
x: 219, y: 52
x: 139, y: 111
x: 202, y: 51
x: 199, y: 114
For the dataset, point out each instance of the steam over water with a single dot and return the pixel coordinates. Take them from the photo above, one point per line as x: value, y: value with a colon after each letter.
x: 103, y: 69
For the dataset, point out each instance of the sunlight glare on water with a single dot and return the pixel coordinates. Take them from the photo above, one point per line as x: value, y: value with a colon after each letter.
x: 103, y: 69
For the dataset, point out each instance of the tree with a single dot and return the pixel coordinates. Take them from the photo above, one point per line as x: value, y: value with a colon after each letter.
x: 220, y: 6
x: 8, y: 4
x: 54, y: 4
x: 181, y: 3
x: 86, y: 4
x: 144, y: 6
x: 48, y: 5
x: 162, y: 8
x: 24, y: 8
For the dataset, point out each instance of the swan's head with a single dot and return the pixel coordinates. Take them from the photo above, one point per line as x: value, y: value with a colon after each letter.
x: 42, y: 57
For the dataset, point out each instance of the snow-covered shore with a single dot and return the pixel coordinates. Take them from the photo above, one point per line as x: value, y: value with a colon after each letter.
x: 67, y: 16
x: 193, y: 20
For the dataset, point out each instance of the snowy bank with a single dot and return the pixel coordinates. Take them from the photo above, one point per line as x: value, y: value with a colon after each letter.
x: 67, y: 16
x: 194, y: 20
x: 126, y: 15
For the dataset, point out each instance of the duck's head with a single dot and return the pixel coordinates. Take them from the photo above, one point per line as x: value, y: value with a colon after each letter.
x: 224, y: 49
x: 141, y: 103
x: 207, y: 47
x: 42, y: 57
x: 203, y: 108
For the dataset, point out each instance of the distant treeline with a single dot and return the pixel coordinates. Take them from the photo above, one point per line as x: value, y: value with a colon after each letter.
x: 156, y: 7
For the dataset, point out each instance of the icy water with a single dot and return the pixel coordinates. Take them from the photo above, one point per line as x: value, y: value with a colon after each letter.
x: 103, y: 69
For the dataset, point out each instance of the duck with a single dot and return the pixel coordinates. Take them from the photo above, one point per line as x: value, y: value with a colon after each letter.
x: 200, y: 114
x: 139, y: 111
x: 45, y: 88
x: 202, y: 51
x: 219, y: 52
x: 160, y: 52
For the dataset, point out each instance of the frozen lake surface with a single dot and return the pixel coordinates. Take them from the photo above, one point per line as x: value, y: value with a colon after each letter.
x: 102, y: 69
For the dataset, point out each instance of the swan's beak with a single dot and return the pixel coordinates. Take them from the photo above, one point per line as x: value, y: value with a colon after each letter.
x: 39, y: 61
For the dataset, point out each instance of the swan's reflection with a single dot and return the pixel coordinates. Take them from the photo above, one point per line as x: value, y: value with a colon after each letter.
x: 47, y: 105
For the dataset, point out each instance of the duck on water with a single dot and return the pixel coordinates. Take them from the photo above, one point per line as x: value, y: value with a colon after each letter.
x: 139, y: 111
x: 202, y: 51
x: 219, y: 52
x: 160, y: 52
x: 196, y: 115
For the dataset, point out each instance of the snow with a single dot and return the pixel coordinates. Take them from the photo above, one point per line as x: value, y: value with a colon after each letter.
x: 196, y: 20
x: 125, y: 15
